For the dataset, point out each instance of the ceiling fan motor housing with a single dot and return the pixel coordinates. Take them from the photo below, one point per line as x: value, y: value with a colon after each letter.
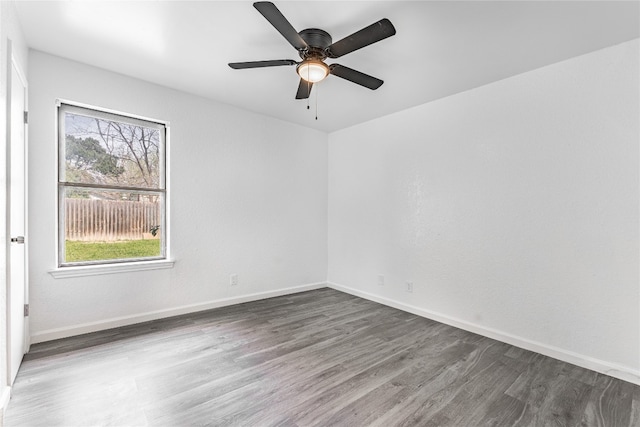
x: 318, y: 41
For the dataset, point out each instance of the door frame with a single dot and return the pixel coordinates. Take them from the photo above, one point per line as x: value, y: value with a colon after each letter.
x: 12, y: 63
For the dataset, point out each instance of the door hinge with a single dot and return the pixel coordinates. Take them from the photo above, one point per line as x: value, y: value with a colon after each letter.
x: 26, y: 310
x: 26, y: 117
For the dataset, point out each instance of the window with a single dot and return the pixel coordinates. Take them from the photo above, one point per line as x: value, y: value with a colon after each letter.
x: 111, y: 187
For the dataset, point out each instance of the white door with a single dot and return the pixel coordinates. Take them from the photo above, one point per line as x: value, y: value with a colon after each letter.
x: 16, y: 201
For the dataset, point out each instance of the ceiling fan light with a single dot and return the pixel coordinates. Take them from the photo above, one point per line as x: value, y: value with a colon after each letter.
x: 313, y: 71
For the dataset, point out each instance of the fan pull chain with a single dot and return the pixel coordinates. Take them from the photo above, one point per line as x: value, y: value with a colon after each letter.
x: 308, y: 88
x: 317, y: 92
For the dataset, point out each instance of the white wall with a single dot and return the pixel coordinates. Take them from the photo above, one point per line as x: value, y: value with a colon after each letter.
x: 513, y: 208
x: 9, y: 30
x: 248, y: 196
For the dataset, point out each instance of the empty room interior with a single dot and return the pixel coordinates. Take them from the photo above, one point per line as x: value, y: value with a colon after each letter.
x: 320, y: 213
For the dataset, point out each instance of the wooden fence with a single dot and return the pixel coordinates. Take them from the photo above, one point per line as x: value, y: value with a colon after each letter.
x: 109, y: 220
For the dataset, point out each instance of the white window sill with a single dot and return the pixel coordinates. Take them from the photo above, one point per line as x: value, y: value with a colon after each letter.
x: 95, y: 270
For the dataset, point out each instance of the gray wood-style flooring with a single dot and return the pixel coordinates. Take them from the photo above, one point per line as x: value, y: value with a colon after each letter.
x: 319, y: 358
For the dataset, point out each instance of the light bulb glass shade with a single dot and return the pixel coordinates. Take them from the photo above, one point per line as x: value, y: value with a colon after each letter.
x: 313, y: 71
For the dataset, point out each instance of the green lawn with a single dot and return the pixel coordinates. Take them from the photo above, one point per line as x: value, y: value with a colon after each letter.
x: 95, y: 251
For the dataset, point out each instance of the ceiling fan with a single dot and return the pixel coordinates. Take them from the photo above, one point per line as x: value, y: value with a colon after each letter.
x: 315, y: 45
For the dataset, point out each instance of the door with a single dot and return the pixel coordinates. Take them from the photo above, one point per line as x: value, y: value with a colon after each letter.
x: 16, y: 207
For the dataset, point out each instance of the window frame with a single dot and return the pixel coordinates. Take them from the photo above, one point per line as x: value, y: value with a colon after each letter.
x: 73, y: 269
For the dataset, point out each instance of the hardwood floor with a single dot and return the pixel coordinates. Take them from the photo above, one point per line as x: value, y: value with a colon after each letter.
x: 318, y: 358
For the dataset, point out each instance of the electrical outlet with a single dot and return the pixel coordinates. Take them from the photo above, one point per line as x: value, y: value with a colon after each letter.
x: 233, y: 280
x: 380, y: 280
x: 409, y: 287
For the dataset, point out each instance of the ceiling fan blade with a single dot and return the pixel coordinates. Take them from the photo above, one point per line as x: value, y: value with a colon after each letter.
x: 355, y: 76
x: 280, y: 23
x: 260, y: 64
x: 373, y: 33
x: 304, y: 89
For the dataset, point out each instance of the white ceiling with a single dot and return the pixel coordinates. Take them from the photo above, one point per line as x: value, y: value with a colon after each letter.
x: 441, y: 47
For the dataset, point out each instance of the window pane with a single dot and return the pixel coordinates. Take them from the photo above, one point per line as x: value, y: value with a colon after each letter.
x: 110, y: 225
x: 111, y: 153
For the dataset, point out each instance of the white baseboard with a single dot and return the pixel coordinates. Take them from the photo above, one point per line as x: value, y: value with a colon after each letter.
x: 4, y: 400
x: 54, y: 334
x: 611, y: 369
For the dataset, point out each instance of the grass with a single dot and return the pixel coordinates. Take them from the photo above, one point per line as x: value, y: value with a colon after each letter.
x: 96, y: 251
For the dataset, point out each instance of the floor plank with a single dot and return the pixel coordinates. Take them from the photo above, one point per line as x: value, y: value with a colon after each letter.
x: 318, y: 358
